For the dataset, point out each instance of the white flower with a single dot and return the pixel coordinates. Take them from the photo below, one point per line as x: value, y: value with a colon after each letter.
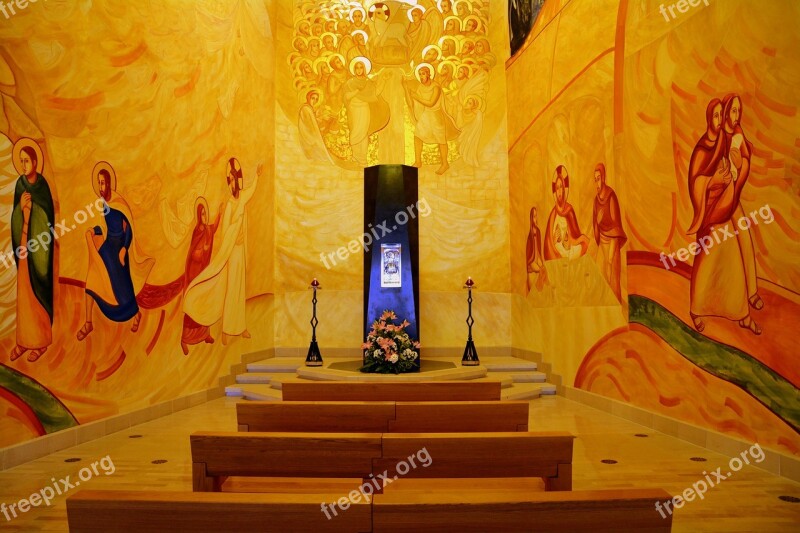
x: 378, y: 354
x: 393, y: 358
x: 410, y: 354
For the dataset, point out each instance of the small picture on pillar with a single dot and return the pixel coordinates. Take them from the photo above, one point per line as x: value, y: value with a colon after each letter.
x: 390, y: 265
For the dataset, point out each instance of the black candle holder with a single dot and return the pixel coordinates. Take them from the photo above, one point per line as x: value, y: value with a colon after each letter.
x: 314, y: 357
x: 470, y: 353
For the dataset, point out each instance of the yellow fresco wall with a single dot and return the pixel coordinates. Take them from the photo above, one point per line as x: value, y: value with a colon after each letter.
x: 319, y: 200
x: 628, y: 84
x: 166, y: 93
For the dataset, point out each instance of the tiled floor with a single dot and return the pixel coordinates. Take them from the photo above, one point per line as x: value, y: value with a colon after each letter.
x: 747, y: 501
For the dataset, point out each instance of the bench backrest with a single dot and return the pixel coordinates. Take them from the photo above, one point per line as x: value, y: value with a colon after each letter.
x: 94, y: 511
x: 216, y: 456
x: 103, y: 511
x: 591, y: 511
x: 480, y: 455
x: 382, y: 417
x: 415, y: 391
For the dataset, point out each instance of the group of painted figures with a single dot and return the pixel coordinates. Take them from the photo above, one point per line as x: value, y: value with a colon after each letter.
x: 563, y: 237
x: 213, y: 286
x: 724, y: 283
x: 354, y: 65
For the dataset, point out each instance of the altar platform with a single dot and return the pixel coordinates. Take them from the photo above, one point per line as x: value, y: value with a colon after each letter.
x: 520, y: 379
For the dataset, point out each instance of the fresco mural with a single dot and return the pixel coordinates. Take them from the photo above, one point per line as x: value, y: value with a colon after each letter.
x: 696, y: 236
x: 130, y: 152
x: 369, y: 75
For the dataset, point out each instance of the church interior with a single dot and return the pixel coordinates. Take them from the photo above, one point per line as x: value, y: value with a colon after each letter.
x: 399, y: 265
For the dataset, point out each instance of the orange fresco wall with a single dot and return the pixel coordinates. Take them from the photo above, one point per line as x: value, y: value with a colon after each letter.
x: 704, y: 338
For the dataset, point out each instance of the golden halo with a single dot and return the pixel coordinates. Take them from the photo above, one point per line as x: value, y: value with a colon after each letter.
x: 311, y: 91
x: 201, y: 201
x: 15, y: 154
x: 447, y: 62
x: 444, y: 38
x: 361, y: 32
x: 334, y: 56
x: 103, y: 165
x: 471, y: 17
x: 357, y: 8
x: 425, y: 65
x: 414, y: 8
x: 451, y: 17
x: 335, y: 38
x: 360, y: 59
x: 458, y: 3
x: 317, y: 62
x: 430, y: 47
x: 564, y: 177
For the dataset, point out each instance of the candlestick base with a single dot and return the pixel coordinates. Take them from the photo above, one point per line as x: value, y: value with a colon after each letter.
x: 314, y: 358
x: 470, y: 355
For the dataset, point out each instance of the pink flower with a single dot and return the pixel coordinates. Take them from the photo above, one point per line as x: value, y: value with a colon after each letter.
x: 365, y: 345
x: 416, y: 344
x: 405, y: 324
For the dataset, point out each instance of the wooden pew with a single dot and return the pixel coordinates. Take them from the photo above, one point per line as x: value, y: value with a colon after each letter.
x: 413, y: 391
x: 159, y: 511
x: 216, y: 456
x: 506, y: 511
x: 382, y: 417
x: 481, y: 455
x: 596, y: 511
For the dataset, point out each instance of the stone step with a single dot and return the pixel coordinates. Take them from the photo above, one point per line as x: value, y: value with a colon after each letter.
x: 276, y: 365
x: 522, y: 391
x: 234, y: 391
x: 254, y: 377
x: 508, y: 364
x: 548, y: 388
x: 260, y: 392
x: 522, y: 376
x: 505, y: 381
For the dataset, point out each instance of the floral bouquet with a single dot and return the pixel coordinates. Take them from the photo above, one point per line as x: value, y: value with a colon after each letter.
x: 389, y: 349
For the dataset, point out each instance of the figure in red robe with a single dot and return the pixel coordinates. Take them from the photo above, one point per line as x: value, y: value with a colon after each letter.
x: 717, y: 174
x: 198, y: 259
x: 563, y: 237
x: 608, y: 231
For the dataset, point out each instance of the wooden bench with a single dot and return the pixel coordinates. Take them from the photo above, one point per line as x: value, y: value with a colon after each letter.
x: 382, y: 417
x: 594, y: 511
x: 217, y: 456
x: 482, y: 455
x: 159, y: 511
x: 415, y: 391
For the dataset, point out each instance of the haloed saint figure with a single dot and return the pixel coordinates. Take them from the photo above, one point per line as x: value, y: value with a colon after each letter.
x: 32, y: 218
x: 112, y: 258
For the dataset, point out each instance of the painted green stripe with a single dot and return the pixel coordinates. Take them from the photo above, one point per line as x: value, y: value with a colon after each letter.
x: 725, y: 362
x: 53, y: 414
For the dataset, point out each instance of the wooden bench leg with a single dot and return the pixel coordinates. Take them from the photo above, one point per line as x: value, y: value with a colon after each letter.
x: 562, y: 481
x: 201, y: 482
